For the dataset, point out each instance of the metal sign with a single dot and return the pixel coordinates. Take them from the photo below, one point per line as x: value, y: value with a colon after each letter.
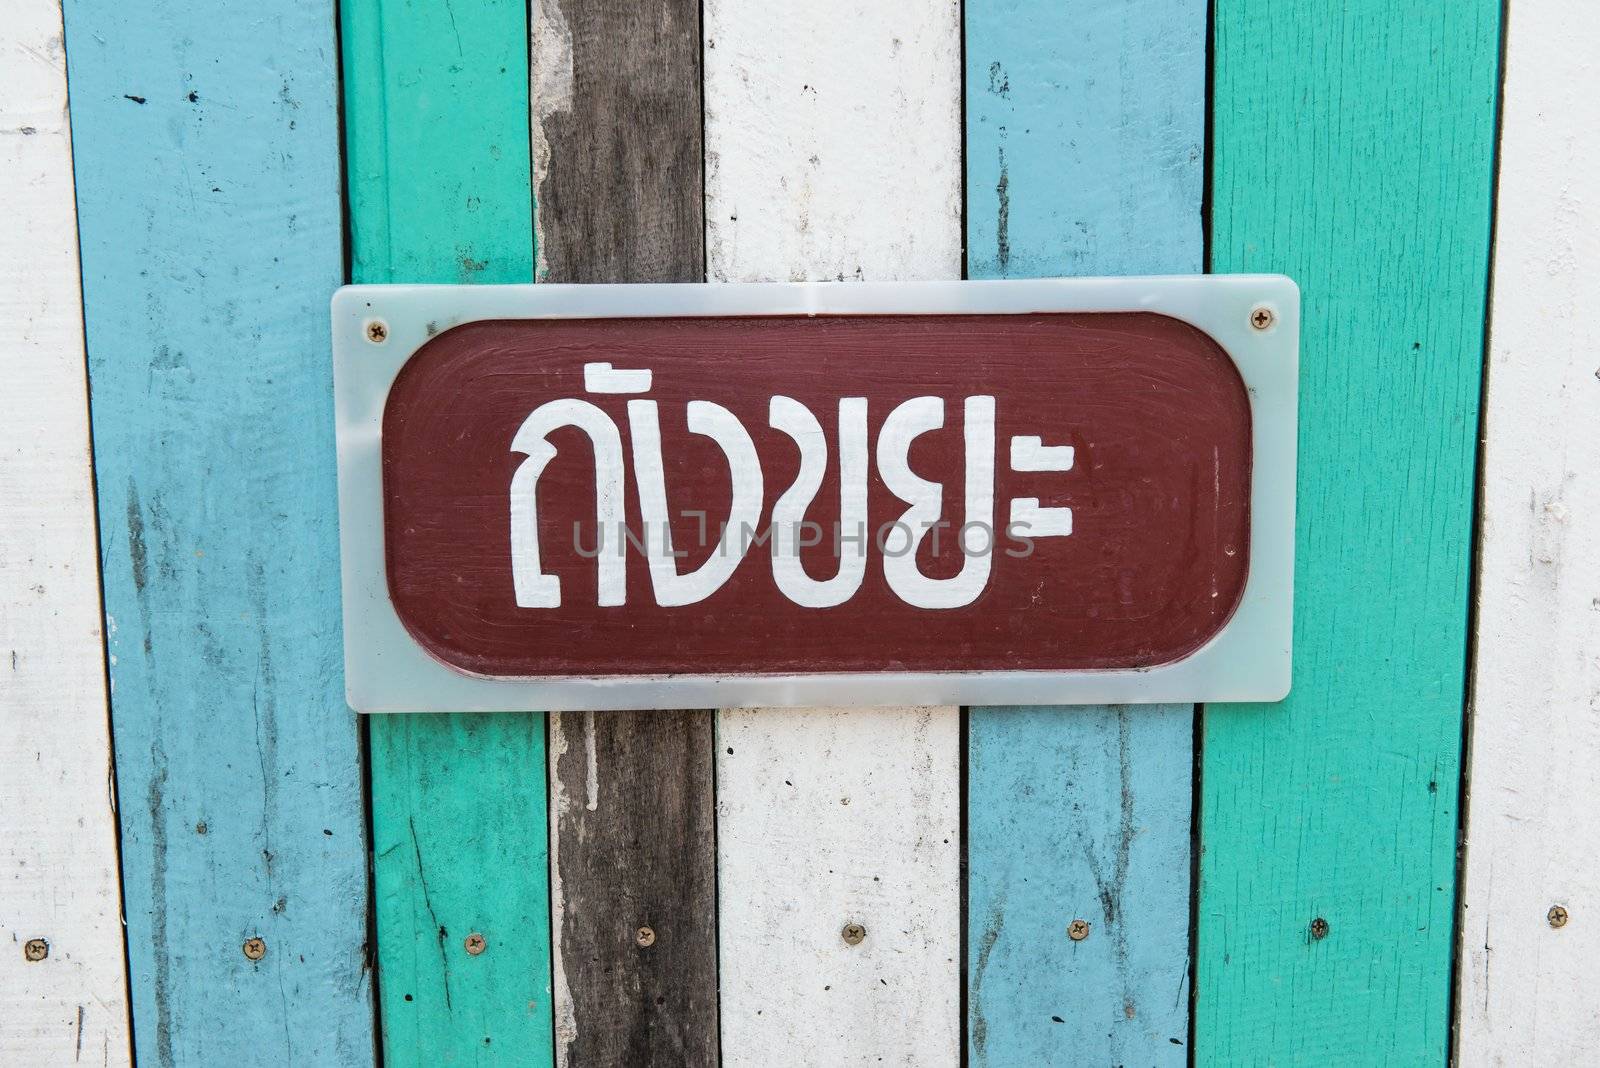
x: 653, y: 496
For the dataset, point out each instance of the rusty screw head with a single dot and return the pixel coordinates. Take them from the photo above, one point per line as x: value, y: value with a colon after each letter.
x: 1557, y: 916
x: 255, y: 948
x: 853, y: 934
x: 475, y: 944
x: 1262, y: 317
x: 377, y: 331
x: 35, y: 950
x: 1078, y: 930
x: 644, y: 937
x: 1319, y: 928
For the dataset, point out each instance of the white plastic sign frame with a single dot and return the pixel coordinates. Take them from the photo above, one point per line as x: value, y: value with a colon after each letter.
x: 1254, y: 318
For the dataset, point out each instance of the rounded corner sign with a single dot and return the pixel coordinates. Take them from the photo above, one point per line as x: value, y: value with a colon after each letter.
x: 658, y: 496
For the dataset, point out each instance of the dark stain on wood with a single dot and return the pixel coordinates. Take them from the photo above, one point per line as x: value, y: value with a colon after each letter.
x: 621, y: 201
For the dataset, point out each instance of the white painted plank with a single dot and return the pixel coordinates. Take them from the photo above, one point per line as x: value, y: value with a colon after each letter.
x: 58, y: 851
x: 833, y: 151
x: 830, y: 817
x: 1527, y: 987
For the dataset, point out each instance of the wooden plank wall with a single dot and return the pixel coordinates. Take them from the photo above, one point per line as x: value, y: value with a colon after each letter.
x: 1085, y: 138
x: 617, y: 175
x: 833, y: 149
x: 63, y: 985
x: 436, y: 119
x: 1352, y: 150
x: 207, y: 157
x: 1528, y: 974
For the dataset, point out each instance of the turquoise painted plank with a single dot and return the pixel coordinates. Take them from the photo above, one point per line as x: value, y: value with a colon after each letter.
x: 1085, y: 130
x: 1354, y: 148
x: 436, y: 122
x: 205, y: 136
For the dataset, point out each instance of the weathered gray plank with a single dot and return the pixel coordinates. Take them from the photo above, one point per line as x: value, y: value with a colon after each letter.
x: 617, y: 174
x: 616, y: 141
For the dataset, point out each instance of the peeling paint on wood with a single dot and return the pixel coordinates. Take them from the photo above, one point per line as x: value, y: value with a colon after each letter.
x: 1085, y: 126
x: 1527, y: 975
x: 1341, y: 803
x: 833, y: 152
x: 436, y: 116
x: 616, y: 135
x: 63, y: 986
x: 206, y: 152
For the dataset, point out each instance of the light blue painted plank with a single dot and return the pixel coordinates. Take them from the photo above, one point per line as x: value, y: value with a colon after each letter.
x: 206, y: 143
x: 1085, y: 131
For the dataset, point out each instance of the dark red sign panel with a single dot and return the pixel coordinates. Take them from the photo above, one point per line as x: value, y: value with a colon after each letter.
x: 728, y: 495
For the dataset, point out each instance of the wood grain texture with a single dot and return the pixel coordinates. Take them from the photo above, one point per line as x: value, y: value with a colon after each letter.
x: 1526, y: 988
x: 1353, y: 151
x: 632, y: 827
x: 616, y: 134
x: 207, y: 155
x: 436, y: 119
x: 1085, y: 130
x: 58, y: 829
x: 833, y: 151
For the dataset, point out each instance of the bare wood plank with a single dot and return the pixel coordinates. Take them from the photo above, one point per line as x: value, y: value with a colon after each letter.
x: 616, y: 147
x: 616, y: 141
x: 1527, y: 976
x: 634, y: 888
x: 63, y: 986
x: 833, y: 151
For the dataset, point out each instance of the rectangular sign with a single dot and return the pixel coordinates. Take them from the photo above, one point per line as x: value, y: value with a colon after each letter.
x: 1043, y: 491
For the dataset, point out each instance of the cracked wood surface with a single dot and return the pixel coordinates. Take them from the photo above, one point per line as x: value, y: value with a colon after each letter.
x: 616, y: 130
x: 58, y: 836
x: 1527, y: 988
x: 436, y: 120
x: 1353, y: 151
x: 1085, y: 131
x: 206, y: 152
x: 833, y: 152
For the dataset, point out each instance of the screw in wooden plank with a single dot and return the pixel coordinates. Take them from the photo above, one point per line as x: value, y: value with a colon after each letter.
x: 255, y: 948
x: 35, y: 950
x: 377, y: 331
x: 1557, y: 916
x: 475, y: 944
x: 1262, y: 317
x: 853, y: 934
x: 1319, y: 929
x: 1078, y: 930
x: 644, y: 937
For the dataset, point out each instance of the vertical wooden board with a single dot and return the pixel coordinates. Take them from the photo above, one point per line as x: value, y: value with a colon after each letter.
x: 1352, y: 150
x: 833, y: 151
x: 436, y: 123
x: 826, y: 818
x: 1085, y: 135
x: 617, y: 167
x: 58, y: 835
x: 634, y: 884
x: 833, y: 141
x: 1526, y: 987
x: 207, y: 156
